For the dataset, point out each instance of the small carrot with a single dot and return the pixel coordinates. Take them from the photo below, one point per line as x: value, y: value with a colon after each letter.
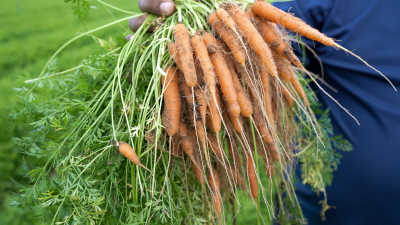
x: 226, y: 19
x: 214, y: 117
x: 262, y: 128
x: 213, y: 181
x: 236, y: 121
x: 246, y: 108
x: 269, y: 32
x: 182, y: 41
x: 172, y: 101
x: 202, y: 104
x: 215, y: 147
x: 265, y: 10
x: 283, y: 67
x: 271, y: 13
x: 229, y: 38
x: 254, y: 38
x: 201, y: 53
x: 174, y: 54
x: 198, y: 171
x: 186, y: 142
x: 251, y: 173
x: 127, y: 151
x: 223, y: 75
x: 265, y: 77
x: 287, y: 96
x: 296, y: 84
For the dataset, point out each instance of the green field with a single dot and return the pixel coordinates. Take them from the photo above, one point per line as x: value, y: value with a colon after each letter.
x: 31, y: 31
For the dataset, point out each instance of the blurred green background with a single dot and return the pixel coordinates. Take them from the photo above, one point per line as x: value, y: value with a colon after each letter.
x: 31, y: 31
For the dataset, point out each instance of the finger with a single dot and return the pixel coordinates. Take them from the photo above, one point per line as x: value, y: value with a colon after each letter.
x: 129, y: 37
x: 136, y: 22
x: 158, y: 7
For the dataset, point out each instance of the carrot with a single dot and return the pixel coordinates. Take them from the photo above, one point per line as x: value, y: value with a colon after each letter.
x: 186, y: 142
x: 287, y: 96
x: 267, y: 96
x: 172, y: 101
x: 188, y: 95
x: 127, y: 151
x: 296, y: 84
x: 268, y: 163
x: 246, y: 108
x: 214, y: 118
x: 198, y: 171
x: 215, y: 147
x: 267, y: 11
x: 269, y: 32
x: 233, y: 151
x: 201, y: 53
x: 223, y: 75
x: 262, y: 128
x: 251, y: 173
x: 236, y: 176
x: 182, y: 40
x: 236, y: 121
x: 254, y: 38
x: 174, y: 54
x: 275, y: 15
x: 213, y: 181
x: 229, y: 38
x: 202, y: 103
x: 226, y: 19
x: 283, y: 67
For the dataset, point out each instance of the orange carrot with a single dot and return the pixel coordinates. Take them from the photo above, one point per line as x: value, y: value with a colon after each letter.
x: 229, y: 38
x: 226, y: 19
x: 254, y: 38
x: 251, y: 173
x: 182, y: 40
x: 186, y: 142
x: 246, y: 108
x: 223, y: 75
x: 236, y: 121
x: 214, y: 118
x: 262, y: 128
x: 267, y: 96
x: 213, y: 181
x: 174, y: 54
x: 265, y: 10
x: 269, y: 32
x: 215, y: 147
x: 287, y: 96
x: 283, y: 67
x: 202, y: 103
x: 296, y: 84
x: 172, y: 101
x: 127, y: 151
x: 201, y: 53
x: 198, y: 170
x: 233, y: 151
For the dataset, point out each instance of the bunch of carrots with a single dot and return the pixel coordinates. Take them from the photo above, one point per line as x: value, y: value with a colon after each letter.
x: 229, y: 86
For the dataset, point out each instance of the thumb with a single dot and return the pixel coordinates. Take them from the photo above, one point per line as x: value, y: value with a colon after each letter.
x: 158, y: 7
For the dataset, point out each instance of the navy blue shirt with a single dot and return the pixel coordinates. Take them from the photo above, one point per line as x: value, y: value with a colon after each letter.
x: 366, y: 186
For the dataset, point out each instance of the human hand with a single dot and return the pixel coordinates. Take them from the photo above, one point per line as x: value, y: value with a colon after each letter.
x: 158, y: 7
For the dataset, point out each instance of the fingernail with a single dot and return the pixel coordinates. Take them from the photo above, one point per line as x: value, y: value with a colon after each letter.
x: 166, y: 8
